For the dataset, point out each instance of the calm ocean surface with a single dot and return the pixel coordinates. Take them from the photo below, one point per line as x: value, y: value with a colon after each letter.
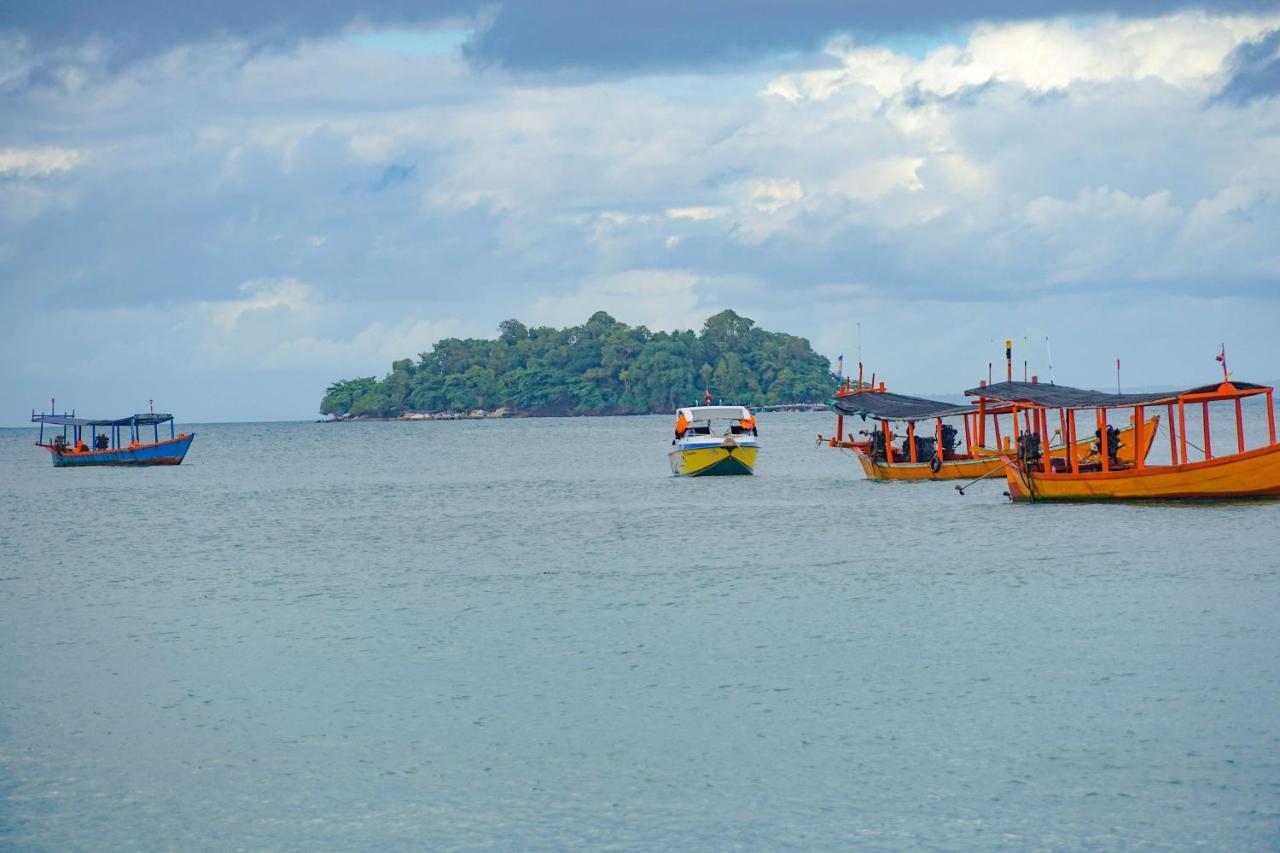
x: 526, y: 634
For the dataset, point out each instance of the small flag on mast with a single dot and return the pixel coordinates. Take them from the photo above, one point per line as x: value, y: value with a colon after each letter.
x: 1221, y: 357
x: 708, y: 395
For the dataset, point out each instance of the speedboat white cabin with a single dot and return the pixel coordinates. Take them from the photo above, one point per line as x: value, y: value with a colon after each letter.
x: 714, y: 421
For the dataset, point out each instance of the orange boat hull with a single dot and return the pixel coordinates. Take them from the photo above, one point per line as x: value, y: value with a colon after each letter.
x: 1252, y: 474
x: 952, y: 469
x: 989, y: 461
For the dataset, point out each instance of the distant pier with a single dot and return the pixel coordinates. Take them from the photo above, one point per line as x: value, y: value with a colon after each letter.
x: 792, y: 407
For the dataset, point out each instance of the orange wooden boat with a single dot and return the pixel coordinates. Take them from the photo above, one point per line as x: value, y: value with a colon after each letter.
x: 935, y: 452
x: 1242, y: 473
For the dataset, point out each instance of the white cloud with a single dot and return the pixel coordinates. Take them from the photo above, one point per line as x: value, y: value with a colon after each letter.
x: 260, y: 296
x: 656, y: 298
x: 772, y: 195
x: 1104, y: 233
x: 38, y: 162
x: 870, y: 181
x: 696, y: 214
x: 1185, y: 50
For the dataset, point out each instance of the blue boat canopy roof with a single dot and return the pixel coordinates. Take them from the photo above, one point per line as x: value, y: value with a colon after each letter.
x: 145, y: 419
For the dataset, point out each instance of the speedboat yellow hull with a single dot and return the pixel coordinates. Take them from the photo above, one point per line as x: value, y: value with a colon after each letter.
x: 717, y: 461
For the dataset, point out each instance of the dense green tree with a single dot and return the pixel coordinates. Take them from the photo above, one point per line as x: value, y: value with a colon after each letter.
x: 341, y: 395
x: 600, y: 367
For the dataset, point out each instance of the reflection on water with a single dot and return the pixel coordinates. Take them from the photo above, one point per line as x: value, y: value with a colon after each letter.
x: 528, y: 634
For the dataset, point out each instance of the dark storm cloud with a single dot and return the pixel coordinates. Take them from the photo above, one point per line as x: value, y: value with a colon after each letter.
x: 549, y: 35
x: 1255, y: 71
x: 637, y: 34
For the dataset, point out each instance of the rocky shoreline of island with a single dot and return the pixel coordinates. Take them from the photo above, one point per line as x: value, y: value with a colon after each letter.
x: 503, y: 413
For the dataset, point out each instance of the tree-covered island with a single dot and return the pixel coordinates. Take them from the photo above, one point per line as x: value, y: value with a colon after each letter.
x: 602, y: 367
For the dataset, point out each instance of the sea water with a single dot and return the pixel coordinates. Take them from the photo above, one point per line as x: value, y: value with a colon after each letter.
x: 525, y: 634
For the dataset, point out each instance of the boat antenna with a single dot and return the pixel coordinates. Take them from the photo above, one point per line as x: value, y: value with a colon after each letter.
x: 1048, y: 351
x: 1117, y: 375
x: 1008, y: 359
x: 858, y: 339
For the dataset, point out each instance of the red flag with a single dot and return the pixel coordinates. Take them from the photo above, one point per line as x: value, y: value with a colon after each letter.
x: 708, y: 396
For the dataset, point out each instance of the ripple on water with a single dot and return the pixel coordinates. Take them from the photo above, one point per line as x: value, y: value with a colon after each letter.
x: 527, y: 634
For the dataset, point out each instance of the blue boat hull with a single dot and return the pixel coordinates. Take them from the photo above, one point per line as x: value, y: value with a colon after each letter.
x: 170, y: 452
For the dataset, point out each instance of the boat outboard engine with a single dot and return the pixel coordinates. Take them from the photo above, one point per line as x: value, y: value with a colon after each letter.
x: 876, y: 440
x: 1029, y: 448
x: 948, y: 438
x: 1113, y: 442
x: 924, y: 448
x: 101, y: 442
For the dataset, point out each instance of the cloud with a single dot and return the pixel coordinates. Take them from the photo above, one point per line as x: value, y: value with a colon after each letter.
x: 290, y: 295
x: 657, y: 298
x: 696, y: 214
x: 1184, y: 50
x: 635, y: 35
x: 1255, y: 71
x: 37, y: 162
x: 412, y: 177
x: 627, y: 36
x: 274, y: 326
x: 149, y: 27
x: 1161, y: 339
x: 372, y: 194
x: 393, y: 175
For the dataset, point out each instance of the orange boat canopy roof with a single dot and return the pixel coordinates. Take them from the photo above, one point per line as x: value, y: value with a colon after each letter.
x: 1065, y: 397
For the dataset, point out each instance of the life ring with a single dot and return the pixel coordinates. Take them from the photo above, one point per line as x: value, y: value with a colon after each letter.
x: 935, y: 463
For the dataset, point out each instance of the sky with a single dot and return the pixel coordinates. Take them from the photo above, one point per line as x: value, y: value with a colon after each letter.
x: 225, y: 208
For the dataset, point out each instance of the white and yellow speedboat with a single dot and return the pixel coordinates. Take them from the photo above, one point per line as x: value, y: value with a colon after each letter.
x: 713, y: 441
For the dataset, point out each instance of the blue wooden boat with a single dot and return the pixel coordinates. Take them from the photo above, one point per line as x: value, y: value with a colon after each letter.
x: 121, y: 442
